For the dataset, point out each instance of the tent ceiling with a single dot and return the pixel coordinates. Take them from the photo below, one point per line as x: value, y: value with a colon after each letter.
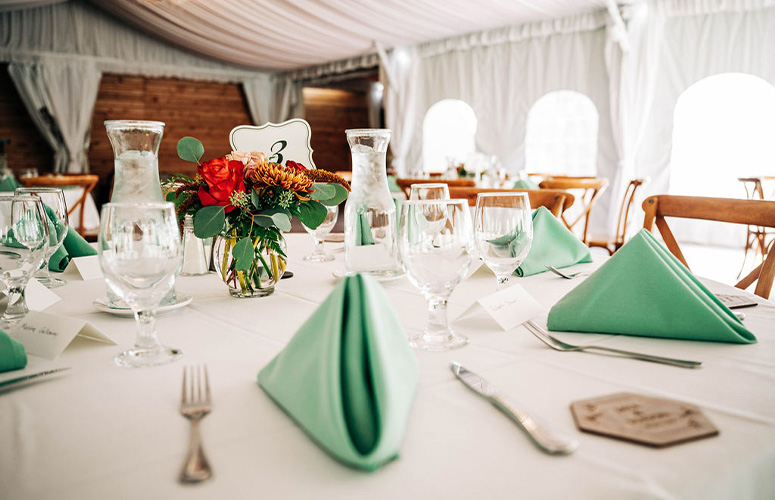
x: 288, y: 34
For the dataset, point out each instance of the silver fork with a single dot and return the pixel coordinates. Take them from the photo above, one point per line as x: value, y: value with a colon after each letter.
x: 559, y: 345
x: 194, y: 405
x: 561, y: 274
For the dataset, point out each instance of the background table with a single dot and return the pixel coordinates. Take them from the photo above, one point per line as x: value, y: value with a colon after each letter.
x: 105, y: 432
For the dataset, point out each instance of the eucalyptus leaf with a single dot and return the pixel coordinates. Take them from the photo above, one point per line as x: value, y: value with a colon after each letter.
x: 208, y: 221
x: 282, y: 221
x: 190, y: 149
x: 323, y: 191
x: 339, y: 197
x: 263, y: 220
x: 312, y: 213
x: 254, y: 198
x: 242, y: 252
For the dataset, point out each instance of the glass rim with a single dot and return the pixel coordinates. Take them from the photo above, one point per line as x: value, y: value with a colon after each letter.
x: 21, y: 197
x: 42, y: 189
x: 429, y: 184
x: 491, y: 194
x: 144, y: 204
x: 368, y: 131
x: 132, y: 123
x: 448, y: 201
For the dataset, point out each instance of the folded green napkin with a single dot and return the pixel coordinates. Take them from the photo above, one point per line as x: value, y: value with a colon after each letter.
x: 363, y: 234
x: 73, y: 246
x: 553, y: 245
x: 393, y: 184
x: 347, y: 377
x: 12, y: 355
x: 525, y: 183
x: 9, y: 183
x: 644, y: 290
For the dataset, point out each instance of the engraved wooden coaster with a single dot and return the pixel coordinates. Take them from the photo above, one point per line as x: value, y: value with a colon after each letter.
x: 642, y: 419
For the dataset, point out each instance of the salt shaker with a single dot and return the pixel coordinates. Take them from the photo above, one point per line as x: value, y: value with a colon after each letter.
x: 194, y: 257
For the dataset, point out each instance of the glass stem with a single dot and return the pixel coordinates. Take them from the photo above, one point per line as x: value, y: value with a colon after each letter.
x: 503, y: 282
x: 17, y: 305
x: 318, y: 246
x: 437, y: 317
x: 146, y: 331
x: 43, y: 273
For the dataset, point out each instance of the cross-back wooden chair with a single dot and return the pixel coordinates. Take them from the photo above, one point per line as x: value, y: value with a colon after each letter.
x: 625, y: 216
x: 757, y: 238
x: 748, y: 212
x: 86, y: 181
x: 591, y: 188
x: 406, y: 184
x: 556, y: 201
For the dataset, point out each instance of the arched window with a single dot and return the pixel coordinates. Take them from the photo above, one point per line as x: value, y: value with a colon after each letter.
x: 723, y: 128
x: 561, y: 135
x: 448, y: 132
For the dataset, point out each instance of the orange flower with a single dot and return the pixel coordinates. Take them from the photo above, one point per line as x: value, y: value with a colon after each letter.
x: 272, y: 174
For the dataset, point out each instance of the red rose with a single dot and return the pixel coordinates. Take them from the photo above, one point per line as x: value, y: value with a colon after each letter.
x: 294, y: 167
x: 223, y: 178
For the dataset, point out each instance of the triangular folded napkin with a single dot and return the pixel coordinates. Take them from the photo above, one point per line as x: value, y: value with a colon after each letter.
x: 73, y: 246
x: 644, y: 290
x: 348, y: 376
x: 525, y: 183
x: 12, y: 355
x: 553, y: 245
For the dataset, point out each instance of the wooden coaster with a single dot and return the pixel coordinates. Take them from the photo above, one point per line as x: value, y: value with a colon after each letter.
x: 642, y: 419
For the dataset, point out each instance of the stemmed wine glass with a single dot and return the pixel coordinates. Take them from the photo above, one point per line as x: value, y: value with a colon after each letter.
x: 503, y: 230
x: 24, y: 241
x: 429, y: 191
x: 435, y: 244
x: 319, y: 234
x: 140, y: 255
x: 56, y: 210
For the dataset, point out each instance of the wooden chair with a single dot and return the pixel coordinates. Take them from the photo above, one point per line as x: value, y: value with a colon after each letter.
x: 757, y: 237
x: 406, y: 184
x: 591, y: 188
x: 556, y: 201
x: 625, y: 215
x: 748, y: 212
x: 86, y: 181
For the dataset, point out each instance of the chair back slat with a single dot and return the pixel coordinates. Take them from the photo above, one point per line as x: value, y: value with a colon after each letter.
x: 555, y: 200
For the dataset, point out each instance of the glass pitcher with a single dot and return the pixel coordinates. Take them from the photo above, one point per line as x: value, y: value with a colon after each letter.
x: 370, y: 212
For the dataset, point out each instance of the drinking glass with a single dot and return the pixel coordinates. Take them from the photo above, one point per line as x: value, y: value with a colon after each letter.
x: 24, y: 242
x: 503, y: 230
x: 319, y: 234
x: 429, y: 191
x: 56, y: 210
x: 435, y: 245
x: 140, y: 255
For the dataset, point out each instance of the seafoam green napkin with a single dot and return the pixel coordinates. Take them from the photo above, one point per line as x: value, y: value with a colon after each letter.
x: 12, y: 355
x: 525, y: 183
x: 393, y: 184
x: 644, y: 290
x: 363, y: 234
x: 73, y: 246
x: 348, y: 377
x: 553, y: 245
x: 9, y: 183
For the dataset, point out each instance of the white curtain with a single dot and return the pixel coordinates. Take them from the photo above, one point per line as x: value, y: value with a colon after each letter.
x: 273, y: 99
x: 398, y: 74
x: 60, y: 96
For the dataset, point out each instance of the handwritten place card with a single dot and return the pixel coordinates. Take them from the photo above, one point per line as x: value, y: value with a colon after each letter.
x: 88, y: 267
x: 38, y: 297
x: 509, y: 308
x: 47, y: 335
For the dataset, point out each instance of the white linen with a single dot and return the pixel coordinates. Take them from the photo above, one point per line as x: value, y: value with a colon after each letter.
x: 103, y: 432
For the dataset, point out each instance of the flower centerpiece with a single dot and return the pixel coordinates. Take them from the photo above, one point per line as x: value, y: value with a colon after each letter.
x: 246, y: 201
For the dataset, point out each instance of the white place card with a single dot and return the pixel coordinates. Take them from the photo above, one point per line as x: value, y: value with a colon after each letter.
x: 88, y: 267
x: 38, y: 297
x: 47, y: 335
x: 509, y: 308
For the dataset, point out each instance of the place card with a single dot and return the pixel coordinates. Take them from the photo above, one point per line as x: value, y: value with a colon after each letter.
x: 509, y: 308
x: 88, y: 267
x: 38, y: 297
x: 642, y: 419
x: 47, y: 335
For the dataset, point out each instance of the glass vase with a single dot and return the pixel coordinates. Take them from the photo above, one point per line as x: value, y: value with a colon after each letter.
x: 265, y: 270
x: 370, y: 212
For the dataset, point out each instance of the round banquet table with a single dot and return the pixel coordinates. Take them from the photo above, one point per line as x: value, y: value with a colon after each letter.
x: 100, y: 431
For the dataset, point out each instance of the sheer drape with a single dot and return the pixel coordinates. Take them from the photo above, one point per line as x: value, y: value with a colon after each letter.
x: 60, y: 96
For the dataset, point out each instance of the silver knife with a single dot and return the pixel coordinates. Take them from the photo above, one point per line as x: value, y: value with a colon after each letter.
x: 32, y: 376
x: 546, y: 439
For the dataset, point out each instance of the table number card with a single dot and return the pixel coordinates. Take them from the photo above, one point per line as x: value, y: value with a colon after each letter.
x: 509, y: 308
x: 47, y: 335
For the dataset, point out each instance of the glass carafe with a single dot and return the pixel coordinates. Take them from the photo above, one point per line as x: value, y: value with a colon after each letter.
x: 370, y: 212
x: 136, y: 175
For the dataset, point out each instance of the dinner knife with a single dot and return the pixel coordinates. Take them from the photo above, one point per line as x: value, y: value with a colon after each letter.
x: 25, y: 378
x: 546, y: 439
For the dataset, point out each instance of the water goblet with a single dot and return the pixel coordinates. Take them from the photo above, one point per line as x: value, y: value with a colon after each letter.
x: 319, y: 234
x: 56, y: 210
x: 503, y: 231
x: 140, y: 254
x: 435, y: 245
x: 429, y: 191
x: 24, y: 241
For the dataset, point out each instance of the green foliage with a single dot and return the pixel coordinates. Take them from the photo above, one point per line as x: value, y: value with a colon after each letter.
x: 323, y: 191
x: 243, y: 254
x: 311, y: 213
x: 339, y: 196
x: 209, y: 221
x: 190, y: 149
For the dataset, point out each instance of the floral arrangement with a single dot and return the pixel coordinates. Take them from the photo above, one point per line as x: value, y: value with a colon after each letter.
x: 251, y: 200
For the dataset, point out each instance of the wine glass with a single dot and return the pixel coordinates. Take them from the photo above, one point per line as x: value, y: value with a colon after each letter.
x: 429, y: 191
x: 319, y: 234
x: 56, y: 209
x: 24, y: 241
x: 435, y: 244
x: 140, y: 255
x: 503, y: 231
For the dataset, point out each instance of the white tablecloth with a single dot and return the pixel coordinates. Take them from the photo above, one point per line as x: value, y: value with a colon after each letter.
x: 106, y: 432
